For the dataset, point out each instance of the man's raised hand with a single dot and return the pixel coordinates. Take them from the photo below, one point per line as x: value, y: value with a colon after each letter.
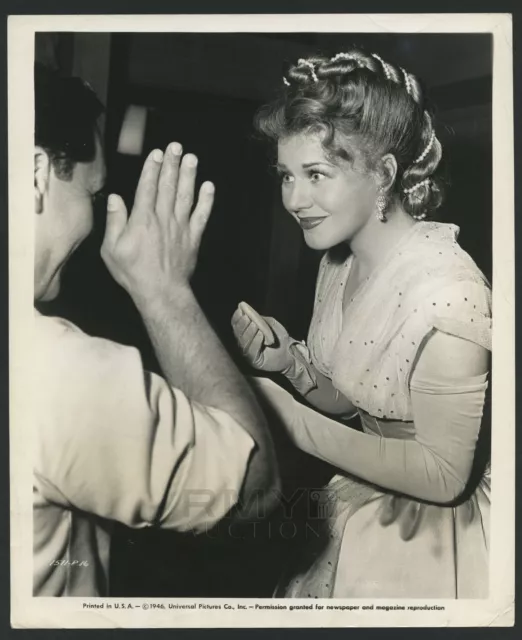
x: 156, y: 247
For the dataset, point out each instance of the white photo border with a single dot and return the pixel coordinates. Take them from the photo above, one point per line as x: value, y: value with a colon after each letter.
x: 30, y: 612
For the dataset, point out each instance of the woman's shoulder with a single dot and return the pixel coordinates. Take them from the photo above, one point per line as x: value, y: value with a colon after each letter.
x: 445, y: 288
x: 458, y: 307
x: 436, y: 255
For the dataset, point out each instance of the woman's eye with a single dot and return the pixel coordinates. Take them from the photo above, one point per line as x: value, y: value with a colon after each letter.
x: 315, y: 176
x: 286, y: 178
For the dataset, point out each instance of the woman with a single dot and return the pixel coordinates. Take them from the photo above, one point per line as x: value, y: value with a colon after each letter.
x: 400, y: 337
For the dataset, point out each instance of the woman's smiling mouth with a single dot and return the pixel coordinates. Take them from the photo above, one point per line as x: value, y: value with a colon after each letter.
x: 310, y: 223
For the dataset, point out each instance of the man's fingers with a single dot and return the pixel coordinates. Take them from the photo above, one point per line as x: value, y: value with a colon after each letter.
x: 199, y: 219
x: 115, y: 222
x: 168, y: 181
x: 185, y: 192
x: 147, y: 190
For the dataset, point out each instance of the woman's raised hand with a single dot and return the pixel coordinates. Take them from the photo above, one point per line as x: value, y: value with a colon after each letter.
x: 263, y: 341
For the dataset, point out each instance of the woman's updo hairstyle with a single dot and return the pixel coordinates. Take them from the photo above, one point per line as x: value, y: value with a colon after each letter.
x: 358, y: 97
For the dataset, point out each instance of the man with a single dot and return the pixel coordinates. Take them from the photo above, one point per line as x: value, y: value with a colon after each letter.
x: 114, y: 442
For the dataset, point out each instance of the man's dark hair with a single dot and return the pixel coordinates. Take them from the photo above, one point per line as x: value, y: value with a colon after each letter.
x: 66, y: 110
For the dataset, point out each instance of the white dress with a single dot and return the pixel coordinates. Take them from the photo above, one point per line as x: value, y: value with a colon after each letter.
x: 369, y: 350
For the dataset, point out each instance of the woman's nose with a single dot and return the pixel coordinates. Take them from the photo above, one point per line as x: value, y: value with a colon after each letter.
x: 299, y: 197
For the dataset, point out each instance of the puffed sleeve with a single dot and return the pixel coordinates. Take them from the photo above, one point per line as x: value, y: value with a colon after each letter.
x: 463, y: 310
x: 118, y: 442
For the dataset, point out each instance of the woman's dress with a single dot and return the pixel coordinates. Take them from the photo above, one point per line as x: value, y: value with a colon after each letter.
x: 368, y: 350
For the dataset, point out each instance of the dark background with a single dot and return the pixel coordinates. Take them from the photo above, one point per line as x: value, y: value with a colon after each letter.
x: 203, y: 90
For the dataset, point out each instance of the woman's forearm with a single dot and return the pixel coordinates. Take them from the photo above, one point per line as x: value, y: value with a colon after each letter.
x: 327, y: 398
x: 435, y: 467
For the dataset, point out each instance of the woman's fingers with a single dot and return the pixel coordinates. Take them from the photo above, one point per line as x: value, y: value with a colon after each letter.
x: 388, y: 510
x: 407, y: 513
x: 262, y: 324
x: 256, y: 346
x: 168, y: 181
x: 410, y: 519
x: 247, y: 340
x: 240, y: 325
x: 248, y: 336
x: 236, y: 317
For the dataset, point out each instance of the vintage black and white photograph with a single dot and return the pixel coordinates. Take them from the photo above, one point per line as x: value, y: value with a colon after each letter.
x: 264, y: 278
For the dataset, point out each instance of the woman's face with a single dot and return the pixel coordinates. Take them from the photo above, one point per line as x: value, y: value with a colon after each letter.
x: 331, y: 202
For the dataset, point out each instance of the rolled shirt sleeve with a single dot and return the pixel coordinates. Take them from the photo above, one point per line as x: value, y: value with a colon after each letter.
x: 118, y: 442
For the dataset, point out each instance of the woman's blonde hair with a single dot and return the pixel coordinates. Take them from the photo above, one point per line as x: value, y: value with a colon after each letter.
x: 361, y: 104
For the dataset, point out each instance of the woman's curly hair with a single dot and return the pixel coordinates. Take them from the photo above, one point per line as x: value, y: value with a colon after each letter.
x: 358, y: 102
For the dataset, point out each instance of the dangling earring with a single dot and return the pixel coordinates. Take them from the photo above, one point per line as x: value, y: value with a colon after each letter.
x: 381, y: 204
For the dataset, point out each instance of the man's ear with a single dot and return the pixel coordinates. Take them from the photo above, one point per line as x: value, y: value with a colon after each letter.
x: 388, y: 172
x: 42, y: 171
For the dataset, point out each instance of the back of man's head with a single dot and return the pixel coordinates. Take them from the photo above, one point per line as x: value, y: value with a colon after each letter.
x: 66, y: 110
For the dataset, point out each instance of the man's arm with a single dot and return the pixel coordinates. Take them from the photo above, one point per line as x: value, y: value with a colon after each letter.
x: 153, y: 255
x: 119, y: 442
x: 193, y: 360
